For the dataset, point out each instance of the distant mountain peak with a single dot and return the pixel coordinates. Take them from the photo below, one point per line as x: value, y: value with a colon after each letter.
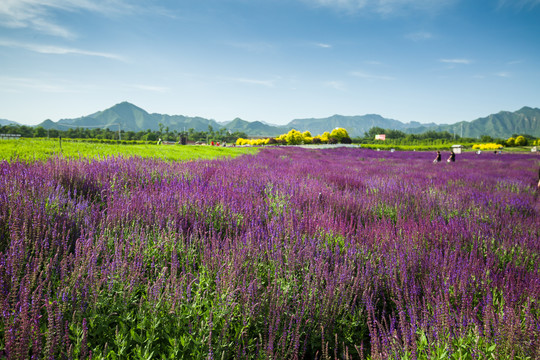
x: 4, y: 122
x: 124, y: 105
x: 130, y: 117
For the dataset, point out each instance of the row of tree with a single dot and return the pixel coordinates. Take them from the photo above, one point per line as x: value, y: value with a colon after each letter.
x: 397, y: 137
x: 339, y: 135
x: 163, y: 133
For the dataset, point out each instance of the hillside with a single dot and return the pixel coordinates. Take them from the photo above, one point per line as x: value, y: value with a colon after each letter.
x: 132, y: 118
x: 501, y: 125
x: 255, y: 128
x: 4, y: 122
x: 355, y: 125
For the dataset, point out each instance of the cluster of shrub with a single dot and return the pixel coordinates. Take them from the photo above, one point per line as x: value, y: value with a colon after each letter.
x: 521, y: 140
x: 397, y: 137
x: 295, y: 137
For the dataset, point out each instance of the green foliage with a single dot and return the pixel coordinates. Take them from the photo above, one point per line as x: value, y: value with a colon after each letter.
x: 126, y: 324
x: 521, y: 141
x: 411, y: 147
x: 150, y: 137
x: 511, y: 142
x: 37, y: 149
x: 462, y: 348
x: 222, y: 135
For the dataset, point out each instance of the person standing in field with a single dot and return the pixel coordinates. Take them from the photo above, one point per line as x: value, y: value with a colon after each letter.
x: 438, y: 158
x: 452, y: 156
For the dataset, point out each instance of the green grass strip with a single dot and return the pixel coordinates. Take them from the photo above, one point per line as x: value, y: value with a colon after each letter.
x: 39, y: 150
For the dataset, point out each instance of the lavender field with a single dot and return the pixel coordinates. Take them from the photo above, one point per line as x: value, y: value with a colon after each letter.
x: 289, y: 253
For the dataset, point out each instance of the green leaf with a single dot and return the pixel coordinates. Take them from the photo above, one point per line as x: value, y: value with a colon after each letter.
x: 136, y: 337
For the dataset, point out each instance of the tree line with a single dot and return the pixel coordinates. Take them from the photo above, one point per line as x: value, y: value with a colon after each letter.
x: 397, y: 137
x: 393, y: 137
x: 221, y: 135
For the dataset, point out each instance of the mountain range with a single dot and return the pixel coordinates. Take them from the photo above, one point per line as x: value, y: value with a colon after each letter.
x: 129, y: 117
x: 4, y: 122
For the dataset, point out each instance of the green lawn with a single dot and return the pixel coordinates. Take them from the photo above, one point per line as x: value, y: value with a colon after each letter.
x: 42, y: 149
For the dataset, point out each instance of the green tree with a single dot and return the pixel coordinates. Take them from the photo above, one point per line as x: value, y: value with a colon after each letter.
x: 521, y: 141
x: 511, y: 142
x: 150, y: 137
x: 370, y: 134
x: 486, y: 139
x: 40, y: 132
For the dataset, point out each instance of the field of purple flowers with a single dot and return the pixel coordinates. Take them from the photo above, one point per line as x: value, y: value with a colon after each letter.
x: 290, y: 253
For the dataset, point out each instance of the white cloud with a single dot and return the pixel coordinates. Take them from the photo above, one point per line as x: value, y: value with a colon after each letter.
x: 323, y: 45
x: 267, y: 83
x: 503, y: 74
x: 369, y: 76
x: 456, y: 61
x: 419, y: 36
x: 39, y: 14
x: 383, y: 7
x: 57, y: 50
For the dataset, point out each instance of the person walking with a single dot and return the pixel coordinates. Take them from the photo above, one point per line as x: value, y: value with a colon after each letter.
x: 438, y: 158
x: 452, y: 156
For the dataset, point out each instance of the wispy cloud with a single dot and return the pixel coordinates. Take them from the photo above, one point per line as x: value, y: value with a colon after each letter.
x: 519, y: 4
x: 255, y: 47
x: 419, y: 36
x: 503, y: 74
x: 39, y: 14
x: 323, y: 45
x: 58, y: 50
x: 456, y: 61
x: 151, y: 88
x: 369, y: 76
x: 383, y: 7
x: 337, y: 85
x: 267, y: 83
x: 24, y: 84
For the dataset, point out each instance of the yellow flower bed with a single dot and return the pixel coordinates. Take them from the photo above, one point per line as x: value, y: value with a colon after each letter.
x: 488, y: 146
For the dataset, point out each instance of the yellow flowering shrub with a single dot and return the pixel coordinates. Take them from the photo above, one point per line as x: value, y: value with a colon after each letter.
x: 488, y: 146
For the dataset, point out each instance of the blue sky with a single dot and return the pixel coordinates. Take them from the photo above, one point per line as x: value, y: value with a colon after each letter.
x: 439, y: 61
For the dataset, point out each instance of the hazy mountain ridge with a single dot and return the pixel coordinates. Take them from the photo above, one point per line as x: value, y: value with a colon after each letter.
x: 355, y: 125
x: 132, y: 118
x: 501, y: 125
x: 4, y: 122
x: 256, y: 128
